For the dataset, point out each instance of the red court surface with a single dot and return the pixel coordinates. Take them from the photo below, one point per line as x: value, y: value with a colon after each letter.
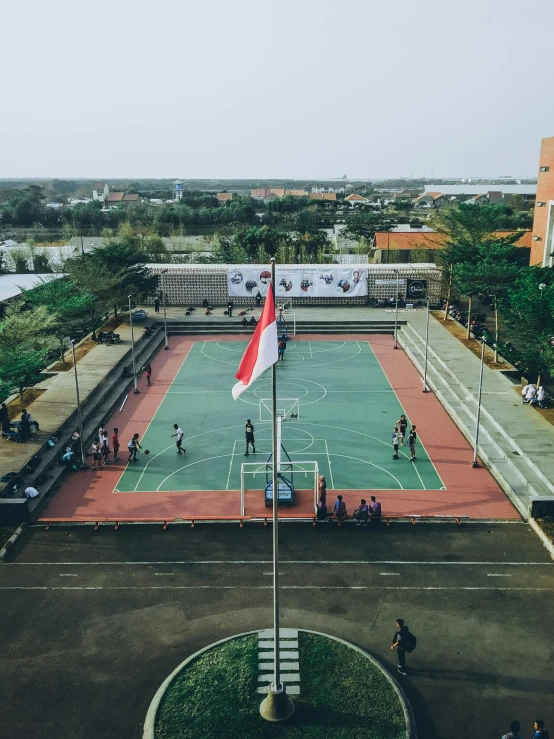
x: 89, y: 496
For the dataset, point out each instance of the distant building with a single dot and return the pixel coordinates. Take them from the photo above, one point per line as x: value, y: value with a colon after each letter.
x: 543, y: 222
x: 430, y: 200
x: 177, y: 190
x: 354, y: 200
x: 406, y: 242
x: 331, y: 196
x: 100, y: 191
x: 464, y: 191
x: 224, y: 197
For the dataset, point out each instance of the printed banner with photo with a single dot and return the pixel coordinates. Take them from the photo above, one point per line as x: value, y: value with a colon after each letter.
x: 299, y: 282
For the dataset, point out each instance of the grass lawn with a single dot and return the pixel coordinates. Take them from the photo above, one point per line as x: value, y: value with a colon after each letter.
x: 343, y: 696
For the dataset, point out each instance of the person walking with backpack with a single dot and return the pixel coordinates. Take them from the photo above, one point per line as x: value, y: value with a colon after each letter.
x: 403, y: 641
x: 540, y: 731
x: 514, y: 731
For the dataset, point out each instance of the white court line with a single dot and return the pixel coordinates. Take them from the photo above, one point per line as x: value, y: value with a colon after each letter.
x: 329, y: 463
x: 68, y: 574
x: 151, y: 420
x: 418, y: 436
x: 163, y: 574
x: 184, y: 467
x: 266, y: 587
x: 132, y: 563
x: 231, y: 464
x: 310, y: 347
x: 388, y: 574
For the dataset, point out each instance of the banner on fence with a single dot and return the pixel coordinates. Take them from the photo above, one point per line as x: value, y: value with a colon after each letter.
x: 299, y: 282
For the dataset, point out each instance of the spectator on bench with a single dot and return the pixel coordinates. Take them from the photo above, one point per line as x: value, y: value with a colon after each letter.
x: 361, y: 513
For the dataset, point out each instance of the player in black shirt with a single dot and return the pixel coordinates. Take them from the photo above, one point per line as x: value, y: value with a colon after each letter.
x: 412, y: 438
x: 249, y: 434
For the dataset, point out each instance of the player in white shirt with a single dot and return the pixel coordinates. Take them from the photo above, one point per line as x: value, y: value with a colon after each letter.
x: 179, y: 434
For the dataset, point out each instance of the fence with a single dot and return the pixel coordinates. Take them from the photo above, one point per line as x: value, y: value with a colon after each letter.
x: 190, y: 284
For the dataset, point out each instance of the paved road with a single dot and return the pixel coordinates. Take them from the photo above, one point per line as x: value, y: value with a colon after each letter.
x: 92, y: 622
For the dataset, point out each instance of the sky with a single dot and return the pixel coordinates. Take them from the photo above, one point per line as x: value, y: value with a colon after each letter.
x: 306, y: 89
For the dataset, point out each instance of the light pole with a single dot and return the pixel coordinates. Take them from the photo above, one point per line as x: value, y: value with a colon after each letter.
x: 426, y: 347
x: 164, y: 272
x: 133, y: 348
x: 84, y: 464
x: 475, y: 463
x: 396, y: 312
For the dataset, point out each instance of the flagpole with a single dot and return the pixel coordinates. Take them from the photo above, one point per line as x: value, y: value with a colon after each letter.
x: 276, y: 706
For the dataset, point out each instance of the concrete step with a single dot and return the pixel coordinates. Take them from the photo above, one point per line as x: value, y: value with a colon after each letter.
x: 284, y: 653
x: 266, y: 644
x: 291, y: 689
x: 292, y: 677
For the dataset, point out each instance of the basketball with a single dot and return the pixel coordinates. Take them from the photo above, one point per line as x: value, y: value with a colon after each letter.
x: 147, y: 451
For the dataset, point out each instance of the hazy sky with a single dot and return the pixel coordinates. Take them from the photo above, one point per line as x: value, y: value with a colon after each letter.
x: 296, y: 88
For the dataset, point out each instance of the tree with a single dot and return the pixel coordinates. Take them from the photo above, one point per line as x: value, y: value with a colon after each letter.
x: 364, y: 224
x: 493, y: 272
x: 468, y: 231
x: 528, y: 314
x: 65, y: 304
x: 127, y: 264
x: 21, y: 369
x: 23, y: 345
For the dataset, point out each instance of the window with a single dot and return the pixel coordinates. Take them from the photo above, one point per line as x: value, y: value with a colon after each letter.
x: 540, y: 205
x: 537, y: 238
x: 545, y: 169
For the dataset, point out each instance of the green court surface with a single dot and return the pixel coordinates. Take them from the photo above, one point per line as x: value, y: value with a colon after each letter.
x: 346, y: 412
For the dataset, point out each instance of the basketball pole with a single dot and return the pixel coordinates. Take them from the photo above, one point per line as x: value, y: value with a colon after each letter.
x: 276, y: 706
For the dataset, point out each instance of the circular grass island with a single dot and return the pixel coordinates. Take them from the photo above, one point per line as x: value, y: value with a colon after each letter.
x: 344, y: 694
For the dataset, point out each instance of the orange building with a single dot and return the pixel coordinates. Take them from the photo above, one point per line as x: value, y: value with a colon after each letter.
x: 543, y: 223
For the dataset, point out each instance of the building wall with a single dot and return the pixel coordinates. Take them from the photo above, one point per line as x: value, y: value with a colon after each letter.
x: 190, y: 284
x: 541, y: 250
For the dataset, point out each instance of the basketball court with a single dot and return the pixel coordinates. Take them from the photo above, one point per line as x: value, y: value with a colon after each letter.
x: 339, y: 397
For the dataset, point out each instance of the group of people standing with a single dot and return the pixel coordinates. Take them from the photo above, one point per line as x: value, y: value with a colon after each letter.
x: 399, y: 434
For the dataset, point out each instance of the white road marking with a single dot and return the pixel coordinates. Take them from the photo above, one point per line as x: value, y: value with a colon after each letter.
x: 163, y: 574
x: 497, y: 574
x: 265, y: 587
x: 128, y: 563
x: 388, y: 574
x: 68, y: 574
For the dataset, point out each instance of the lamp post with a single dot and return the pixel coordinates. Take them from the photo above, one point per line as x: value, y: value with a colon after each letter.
x: 133, y: 348
x: 164, y: 272
x: 475, y: 463
x: 425, y: 390
x: 84, y: 464
x: 396, y: 312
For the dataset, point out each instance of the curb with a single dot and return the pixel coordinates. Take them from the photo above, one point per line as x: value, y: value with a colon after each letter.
x: 11, y: 541
x: 150, y: 720
x: 548, y: 545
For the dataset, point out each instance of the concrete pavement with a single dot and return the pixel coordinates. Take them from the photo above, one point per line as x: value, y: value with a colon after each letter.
x: 515, y: 442
x: 93, y: 622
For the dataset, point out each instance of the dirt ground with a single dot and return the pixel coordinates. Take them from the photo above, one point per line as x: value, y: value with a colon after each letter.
x: 15, y: 406
x: 85, y: 347
x: 472, y: 344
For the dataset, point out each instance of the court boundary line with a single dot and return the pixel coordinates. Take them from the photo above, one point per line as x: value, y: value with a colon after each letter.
x: 154, y: 416
x: 421, y: 442
x: 231, y: 464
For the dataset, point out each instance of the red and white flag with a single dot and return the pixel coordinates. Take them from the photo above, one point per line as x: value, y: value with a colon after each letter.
x: 261, y: 353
